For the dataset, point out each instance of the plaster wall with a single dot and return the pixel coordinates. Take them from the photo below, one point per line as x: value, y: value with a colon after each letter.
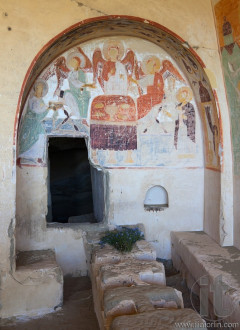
x: 27, y: 26
x: 212, y: 223
x: 32, y: 232
x: 127, y: 190
x: 185, y: 188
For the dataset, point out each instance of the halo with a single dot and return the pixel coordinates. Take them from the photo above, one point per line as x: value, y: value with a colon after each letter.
x: 113, y: 44
x: 187, y: 98
x: 45, y: 86
x: 76, y: 54
x: 151, y: 58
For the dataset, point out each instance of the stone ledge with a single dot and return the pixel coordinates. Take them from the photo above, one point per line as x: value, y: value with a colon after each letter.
x: 195, y: 254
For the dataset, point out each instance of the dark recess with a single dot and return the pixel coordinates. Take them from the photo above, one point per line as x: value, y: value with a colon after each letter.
x: 70, y: 179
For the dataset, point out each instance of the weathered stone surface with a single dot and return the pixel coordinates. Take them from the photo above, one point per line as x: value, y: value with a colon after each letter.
x: 105, y: 255
x: 108, y: 255
x: 142, y: 250
x: 40, y: 259
x: 38, y: 281
x: 139, y: 299
x: 145, y: 298
x: 97, y: 303
x: 165, y: 319
x: 131, y: 272
x: 195, y: 254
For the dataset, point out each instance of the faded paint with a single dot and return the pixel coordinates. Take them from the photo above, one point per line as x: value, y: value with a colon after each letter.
x: 228, y: 28
x: 229, y: 22
x: 155, y: 132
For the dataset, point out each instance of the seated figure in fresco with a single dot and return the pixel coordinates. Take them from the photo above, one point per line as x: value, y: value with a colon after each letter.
x: 32, y: 133
x: 77, y: 96
x: 151, y: 82
x: 113, y: 115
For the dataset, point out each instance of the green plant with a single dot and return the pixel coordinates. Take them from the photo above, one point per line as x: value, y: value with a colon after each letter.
x: 122, y: 238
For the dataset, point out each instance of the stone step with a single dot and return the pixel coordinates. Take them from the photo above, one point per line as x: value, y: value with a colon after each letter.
x: 138, y: 299
x: 37, y: 284
x: 165, y: 319
x: 142, y: 250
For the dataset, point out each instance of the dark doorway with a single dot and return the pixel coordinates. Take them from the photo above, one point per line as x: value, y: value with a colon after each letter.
x: 70, y: 187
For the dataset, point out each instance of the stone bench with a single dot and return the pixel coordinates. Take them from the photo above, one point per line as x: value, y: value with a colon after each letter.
x: 134, y: 283
x: 165, y: 319
x: 104, y: 259
x: 196, y: 255
x: 37, y: 284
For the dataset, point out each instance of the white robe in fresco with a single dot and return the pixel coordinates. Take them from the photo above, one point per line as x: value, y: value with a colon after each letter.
x: 32, y: 133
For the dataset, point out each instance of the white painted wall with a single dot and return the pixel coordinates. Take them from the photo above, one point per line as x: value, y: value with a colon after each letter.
x: 32, y: 232
x: 124, y: 205
x: 185, y: 189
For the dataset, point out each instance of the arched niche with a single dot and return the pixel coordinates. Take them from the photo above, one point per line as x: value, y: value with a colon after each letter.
x: 156, y: 199
x: 142, y: 127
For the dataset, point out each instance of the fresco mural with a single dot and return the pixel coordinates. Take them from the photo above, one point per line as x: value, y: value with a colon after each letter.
x: 130, y: 99
x: 32, y: 133
x: 204, y: 97
x: 228, y: 21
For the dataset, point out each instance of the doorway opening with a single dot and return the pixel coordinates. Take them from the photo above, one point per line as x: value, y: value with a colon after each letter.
x: 70, y: 197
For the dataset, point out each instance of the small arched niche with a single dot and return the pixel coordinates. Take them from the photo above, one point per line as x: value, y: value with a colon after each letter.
x: 156, y: 199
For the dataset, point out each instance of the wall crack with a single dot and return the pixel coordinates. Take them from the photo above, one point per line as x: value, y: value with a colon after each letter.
x: 80, y: 4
